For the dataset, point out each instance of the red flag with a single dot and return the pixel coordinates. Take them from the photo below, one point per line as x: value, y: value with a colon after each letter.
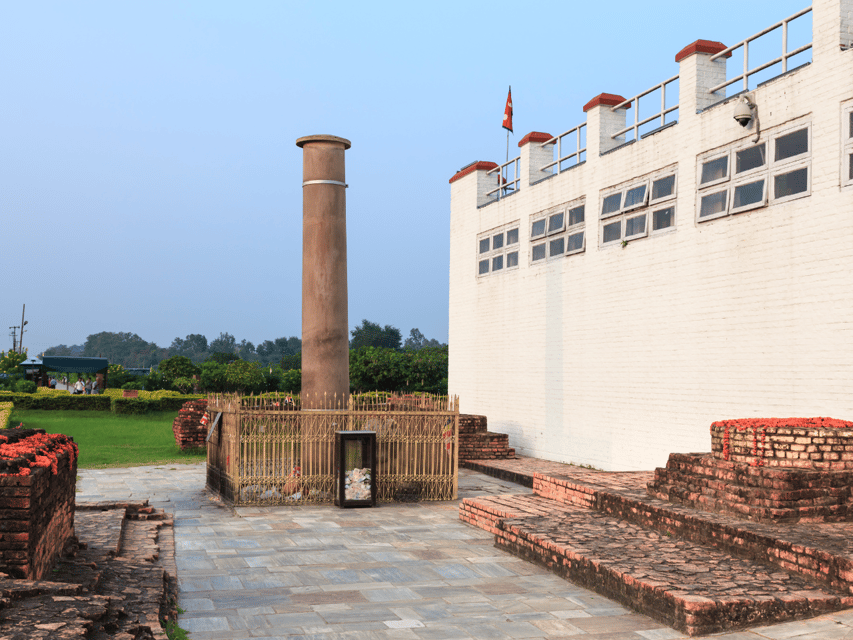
x: 508, y: 111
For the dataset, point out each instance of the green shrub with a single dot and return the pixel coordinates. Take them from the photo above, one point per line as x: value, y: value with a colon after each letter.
x: 135, y: 406
x: 25, y: 386
x: 291, y: 381
x: 138, y: 384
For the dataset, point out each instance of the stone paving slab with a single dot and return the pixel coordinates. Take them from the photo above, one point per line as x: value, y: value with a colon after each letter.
x: 448, y: 607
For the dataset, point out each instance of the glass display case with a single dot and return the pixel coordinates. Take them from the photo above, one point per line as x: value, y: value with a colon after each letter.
x: 355, y: 461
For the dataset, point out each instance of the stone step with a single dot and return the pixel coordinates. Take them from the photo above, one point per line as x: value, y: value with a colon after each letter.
x: 695, y: 589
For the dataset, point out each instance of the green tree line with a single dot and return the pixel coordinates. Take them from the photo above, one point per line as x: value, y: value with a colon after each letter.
x: 379, y: 361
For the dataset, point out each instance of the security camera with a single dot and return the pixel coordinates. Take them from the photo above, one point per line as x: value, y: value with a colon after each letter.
x: 744, y: 110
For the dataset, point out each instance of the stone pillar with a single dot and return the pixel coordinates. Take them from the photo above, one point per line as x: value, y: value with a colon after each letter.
x: 325, y: 325
x: 534, y: 156
x: 602, y: 122
x: 697, y: 73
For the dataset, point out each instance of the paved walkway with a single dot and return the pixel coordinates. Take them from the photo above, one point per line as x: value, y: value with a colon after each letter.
x: 397, y: 571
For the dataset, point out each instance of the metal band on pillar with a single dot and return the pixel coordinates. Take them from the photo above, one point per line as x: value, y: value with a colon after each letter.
x: 337, y: 182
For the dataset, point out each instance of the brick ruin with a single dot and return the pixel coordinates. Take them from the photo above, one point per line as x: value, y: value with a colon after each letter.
x: 795, y: 469
x: 189, y: 431
x: 38, y: 480
x: 476, y: 443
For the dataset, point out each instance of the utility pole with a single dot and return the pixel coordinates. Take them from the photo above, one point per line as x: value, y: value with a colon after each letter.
x: 14, y: 338
x: 23, y: 324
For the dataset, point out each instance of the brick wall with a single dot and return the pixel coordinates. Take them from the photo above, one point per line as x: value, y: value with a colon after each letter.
x: 476, y: 443
x: 187, y: 427
x: 622, y: 355
x: 38, y: 479
x: 786, y: 446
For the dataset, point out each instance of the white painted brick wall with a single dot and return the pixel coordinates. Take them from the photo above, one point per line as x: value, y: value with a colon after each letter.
x: 618, y: 356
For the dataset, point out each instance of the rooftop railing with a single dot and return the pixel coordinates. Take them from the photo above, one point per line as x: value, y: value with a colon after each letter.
x: 579, y: 153
x: 635, y: 104
x: 505, y: 185
x: 747, y: 72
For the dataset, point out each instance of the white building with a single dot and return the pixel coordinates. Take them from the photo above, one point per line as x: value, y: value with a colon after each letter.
x: 608, y: 312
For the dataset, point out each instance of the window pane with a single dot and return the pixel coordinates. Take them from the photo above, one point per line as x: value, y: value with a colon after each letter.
x: 512, y: 236
x: 635, y: 225
x: 663, y: 187
x: 576, y: 215
x: 497, y: 263
x: 611, y: 203
x: 850, y: 162
x: 484, y: 245
x: 538, y: 252
x: 715, y: 170
x: 751, y: 158
x: 663, y: 219
x: 792, y: 144
x: 747, y: 194
x: 555, y: 222
x: 484, y: 266
x: 576, y: 241
x: 557, y: 247
x: 512, y: 259
x: 790, y: 183
x: 635, y: 196
x: 850, y: 126
x: 538, y: 228
x: 713, y: 203
x: 612, y: 231
x: 498, y: 241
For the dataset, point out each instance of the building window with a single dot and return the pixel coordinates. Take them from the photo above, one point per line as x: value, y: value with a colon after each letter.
x: 653, y: 194
x: 749, y: 176
x: 497, y: 250
x: 847, y: 146
x: 558, y: 233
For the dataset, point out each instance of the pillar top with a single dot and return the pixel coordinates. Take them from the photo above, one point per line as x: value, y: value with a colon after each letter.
x: 300, y: 142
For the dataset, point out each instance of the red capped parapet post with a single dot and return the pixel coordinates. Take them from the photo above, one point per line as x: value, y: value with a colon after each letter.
x: 325, y: 326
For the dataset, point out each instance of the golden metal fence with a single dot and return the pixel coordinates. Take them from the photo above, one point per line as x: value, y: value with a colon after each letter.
x: 266, y: 450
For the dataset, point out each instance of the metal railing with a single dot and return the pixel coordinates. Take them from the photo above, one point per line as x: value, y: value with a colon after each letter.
x: 747, y: 72
x: 574, y: 154
x: 635, y: 103
x: 505, y: 185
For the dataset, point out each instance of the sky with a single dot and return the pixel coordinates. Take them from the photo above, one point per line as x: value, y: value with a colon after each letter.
x: 149, y: 177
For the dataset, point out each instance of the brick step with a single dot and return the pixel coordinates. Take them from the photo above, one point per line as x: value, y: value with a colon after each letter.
x: 692, y: 588
x: 488, y: 511
x: 818, y: 551
x: 706, y: 482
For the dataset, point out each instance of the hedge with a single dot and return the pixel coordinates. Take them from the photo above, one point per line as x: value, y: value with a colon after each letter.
x: 144, y: 405
x: 57, y: 402
x: 5, y: 413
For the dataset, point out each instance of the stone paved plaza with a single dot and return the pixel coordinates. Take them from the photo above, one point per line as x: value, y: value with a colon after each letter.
x: 397, y: 571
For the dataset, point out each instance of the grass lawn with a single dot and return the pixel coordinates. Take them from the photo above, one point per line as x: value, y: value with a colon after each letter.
x: 109, y: 440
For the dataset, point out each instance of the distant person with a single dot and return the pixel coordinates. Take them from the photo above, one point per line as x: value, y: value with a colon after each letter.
x: 78, y: 387
x: 52, y: 382
x: 95, y: 387
x: 88, y: 387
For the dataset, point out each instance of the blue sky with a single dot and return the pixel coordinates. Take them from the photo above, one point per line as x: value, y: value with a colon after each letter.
x: 149, y: 178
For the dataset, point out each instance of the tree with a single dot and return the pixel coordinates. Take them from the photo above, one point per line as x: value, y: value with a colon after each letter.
x: 177, y: 367
x: 292, y: 362
x: 194, y: 347
x: 10, y: 360
x: 370, y: 334
x: 416, y: 341
x: 270, y: 351
x: 225, y: 343
x: 246, y: 351
x: 62, y: 350
x: 127, y: 349
x: 245, y: 377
